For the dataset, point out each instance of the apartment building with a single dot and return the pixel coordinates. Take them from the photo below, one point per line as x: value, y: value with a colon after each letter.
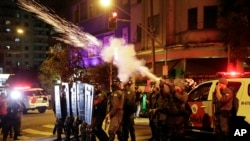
x: 23, y: 38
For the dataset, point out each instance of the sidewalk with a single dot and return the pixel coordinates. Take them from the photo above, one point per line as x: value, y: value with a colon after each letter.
x: 138, y: 121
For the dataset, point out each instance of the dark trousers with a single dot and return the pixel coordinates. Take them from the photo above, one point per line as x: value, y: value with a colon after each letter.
x: 8, y: 126
x: 128, y: 127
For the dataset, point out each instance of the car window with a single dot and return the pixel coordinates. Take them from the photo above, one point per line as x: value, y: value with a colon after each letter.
x: 200, y: 93
x: 34, y: 93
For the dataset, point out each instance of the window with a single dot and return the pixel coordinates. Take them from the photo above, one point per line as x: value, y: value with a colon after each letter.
x: 192, y: 19
x: 138, y: 33
x: 200, y: 93
x: 154, y: 23
x: 210, y: 16
x: 26, y: 48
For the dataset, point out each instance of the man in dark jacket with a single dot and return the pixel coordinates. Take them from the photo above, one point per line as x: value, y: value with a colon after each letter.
x: 100, y: 107
x: 224, y: 98
x: 129, y: 109
x: 116, y: 112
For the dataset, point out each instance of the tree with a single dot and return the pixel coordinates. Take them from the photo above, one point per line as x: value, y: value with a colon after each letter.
x: 234, y: 16
x: 55, y: 67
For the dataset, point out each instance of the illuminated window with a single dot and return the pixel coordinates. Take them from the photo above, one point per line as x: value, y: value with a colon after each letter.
x: 7, y: 29
x: 17, y: 39
x: 7, y: 22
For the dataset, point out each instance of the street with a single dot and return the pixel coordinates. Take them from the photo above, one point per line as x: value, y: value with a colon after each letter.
x: 40, y: 126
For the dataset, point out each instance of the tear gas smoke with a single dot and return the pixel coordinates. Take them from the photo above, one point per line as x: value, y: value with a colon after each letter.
x: 122, y: 55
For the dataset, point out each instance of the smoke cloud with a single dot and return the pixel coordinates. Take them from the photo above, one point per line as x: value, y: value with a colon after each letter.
x: 120, y: 54
x: 124, y: 57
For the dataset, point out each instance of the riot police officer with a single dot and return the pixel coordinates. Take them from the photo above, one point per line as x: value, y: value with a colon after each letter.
x: 60, y: 121
x: 100, y: 106
x: 116, y: 112
x: 153, y: 104
x: 129, y: 109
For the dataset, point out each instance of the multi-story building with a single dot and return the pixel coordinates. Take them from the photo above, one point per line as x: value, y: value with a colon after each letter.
x: 180, y: 35
x: 23, y: 38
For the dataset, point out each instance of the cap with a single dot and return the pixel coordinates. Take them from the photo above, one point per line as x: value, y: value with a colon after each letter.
x: 223, y: 81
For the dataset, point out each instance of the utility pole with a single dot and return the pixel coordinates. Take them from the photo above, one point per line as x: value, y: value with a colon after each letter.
x: 152, y: 31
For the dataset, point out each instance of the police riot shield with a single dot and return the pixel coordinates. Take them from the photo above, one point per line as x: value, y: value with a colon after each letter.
x: 80, y: 100
x: 57, y: 101
x: 73, y: 100
x: 66, y: 90
x: 84, y: 96
x: 89, y: 95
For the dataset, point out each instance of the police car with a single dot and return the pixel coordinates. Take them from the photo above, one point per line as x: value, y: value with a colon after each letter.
x: 30, y: 98
x: 201, y: 103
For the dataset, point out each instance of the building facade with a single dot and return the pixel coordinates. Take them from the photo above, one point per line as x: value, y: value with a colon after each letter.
x: 183, y: 34
x: 23, y: 38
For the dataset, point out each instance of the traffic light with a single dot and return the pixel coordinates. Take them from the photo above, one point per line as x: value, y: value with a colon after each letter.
x: 112, y: 23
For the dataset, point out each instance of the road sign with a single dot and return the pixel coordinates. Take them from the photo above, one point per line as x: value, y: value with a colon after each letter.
x: 165, y: 70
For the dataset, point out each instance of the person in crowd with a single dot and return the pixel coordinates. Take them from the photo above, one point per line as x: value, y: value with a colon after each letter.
x: 138, y: 96
x: 129, y: 109
x: 12, y: 119
x: 116, y: 112
x: 100, y: 107
x: 176, y: 110
x: 3, y: 108
x: 223, y: 106
x: 153, y: 98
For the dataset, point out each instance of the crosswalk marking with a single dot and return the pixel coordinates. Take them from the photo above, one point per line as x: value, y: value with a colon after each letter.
x: 51, y: 126
x: 32, y: 131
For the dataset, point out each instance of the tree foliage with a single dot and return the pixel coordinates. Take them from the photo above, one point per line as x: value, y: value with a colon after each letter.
x: 67, y: 64
x: 234, y: 16
x: 55, y: 66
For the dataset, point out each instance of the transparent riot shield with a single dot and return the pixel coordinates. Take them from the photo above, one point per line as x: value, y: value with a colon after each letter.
x: 74, y: 100
x: 80, y: 100
x: 57, y: 102
x: 66, y: 90
x: 89, y: 95
x: 85, y: 95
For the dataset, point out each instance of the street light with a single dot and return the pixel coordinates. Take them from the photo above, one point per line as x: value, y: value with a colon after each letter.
x: 19, y: 31
x: 150, y: 32
x: 105, y: 3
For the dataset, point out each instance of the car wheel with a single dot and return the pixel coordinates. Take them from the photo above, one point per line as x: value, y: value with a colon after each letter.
x: 42, y: 110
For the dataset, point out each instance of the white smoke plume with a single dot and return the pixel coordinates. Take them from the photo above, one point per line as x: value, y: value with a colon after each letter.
x: 122, y: 55
x: 72, y: 34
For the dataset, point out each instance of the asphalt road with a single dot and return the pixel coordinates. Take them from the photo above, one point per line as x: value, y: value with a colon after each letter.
x: 36, y: 126
x: 39, y: 127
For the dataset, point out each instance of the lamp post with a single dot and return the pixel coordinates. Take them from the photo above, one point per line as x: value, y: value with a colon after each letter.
x: 149, y: 31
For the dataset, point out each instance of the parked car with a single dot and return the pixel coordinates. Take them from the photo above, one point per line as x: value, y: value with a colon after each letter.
x: 31, y: 99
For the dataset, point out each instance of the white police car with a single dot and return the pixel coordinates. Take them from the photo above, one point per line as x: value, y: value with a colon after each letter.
x: 201, y: 102
x: 31, y: 98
